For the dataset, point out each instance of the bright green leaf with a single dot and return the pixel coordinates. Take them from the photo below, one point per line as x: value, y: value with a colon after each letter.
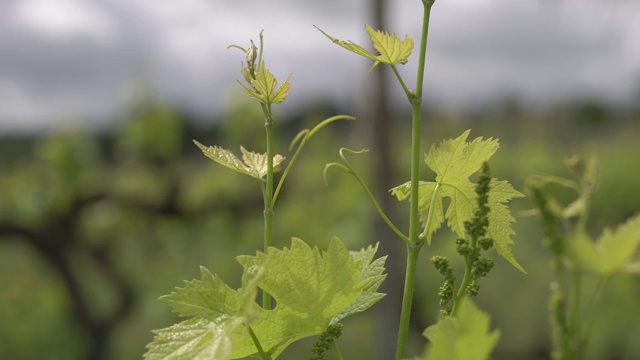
x: 263, y: 87
x: 208, y: 298
x: 283, y: 91
x: 371, y: 269
x: 312, y: 290
x: 454, y: 161
x: 613, y: 251
x: 252, y: 164
x: 392, y: 49
x: 500, y: 219
x: 464, y: 337
x: 217, y: 314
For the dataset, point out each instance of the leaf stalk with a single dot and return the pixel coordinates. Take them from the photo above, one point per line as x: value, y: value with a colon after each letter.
x: 349, y: 169
x: 268, y: 193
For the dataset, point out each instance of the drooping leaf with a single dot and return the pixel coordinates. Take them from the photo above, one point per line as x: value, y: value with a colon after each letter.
x: 612, y: 253
x: 252, y: 164
x: 454, y: 161
x: 263, y: 87
x: 464, y: 337
x: 392, y: 49
x: 312, y: 290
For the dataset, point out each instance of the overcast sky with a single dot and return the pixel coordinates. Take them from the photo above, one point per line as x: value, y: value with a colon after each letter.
x: 78, y: 60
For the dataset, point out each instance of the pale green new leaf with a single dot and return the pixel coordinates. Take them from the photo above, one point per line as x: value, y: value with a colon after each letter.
x: 612, y: 253
x: 454, y: 161
x: 257, y: 163
x: 311, y: 290
x: 192, y: 339
x: 464, y: 337
x: 252, y: 164
x: 392, y: 49
x: 263, y: 87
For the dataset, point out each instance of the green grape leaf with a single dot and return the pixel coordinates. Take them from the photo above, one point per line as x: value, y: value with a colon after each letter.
x: 464, y: 337
x: 612, y: 253
x: 371, y: 269
x: 312, y: 290
x: 217, y: 314
x: 500, y: 219
x: 454, y: 161
x: 192, y: 339
x: 252, y: 164
x: 210, y: 298
x: 263, y: 87
x: 392, y: 49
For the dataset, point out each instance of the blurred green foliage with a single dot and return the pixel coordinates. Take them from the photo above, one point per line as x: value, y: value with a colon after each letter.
x: 134, y: 214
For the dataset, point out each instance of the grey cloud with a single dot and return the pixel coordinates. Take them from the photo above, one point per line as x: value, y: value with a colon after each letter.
x: 477, y: 52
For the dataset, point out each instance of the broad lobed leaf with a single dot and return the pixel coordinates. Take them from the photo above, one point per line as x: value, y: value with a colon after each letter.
x: 392, y: 49
x: 454, y: 161
x: 371, y: 269
x: 312, y: 289
x: 252, y: 164
x: 464, y: 337
x: 209, y: 298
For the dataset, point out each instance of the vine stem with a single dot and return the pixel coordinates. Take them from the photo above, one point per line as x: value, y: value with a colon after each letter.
x: 336, y: 350
x: 463, y: 286
x: 268, y: 194
x: 413, y: 250
x: 415, y: 242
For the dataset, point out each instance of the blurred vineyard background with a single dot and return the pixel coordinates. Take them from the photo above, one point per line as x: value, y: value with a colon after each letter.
x: 94, y: 227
